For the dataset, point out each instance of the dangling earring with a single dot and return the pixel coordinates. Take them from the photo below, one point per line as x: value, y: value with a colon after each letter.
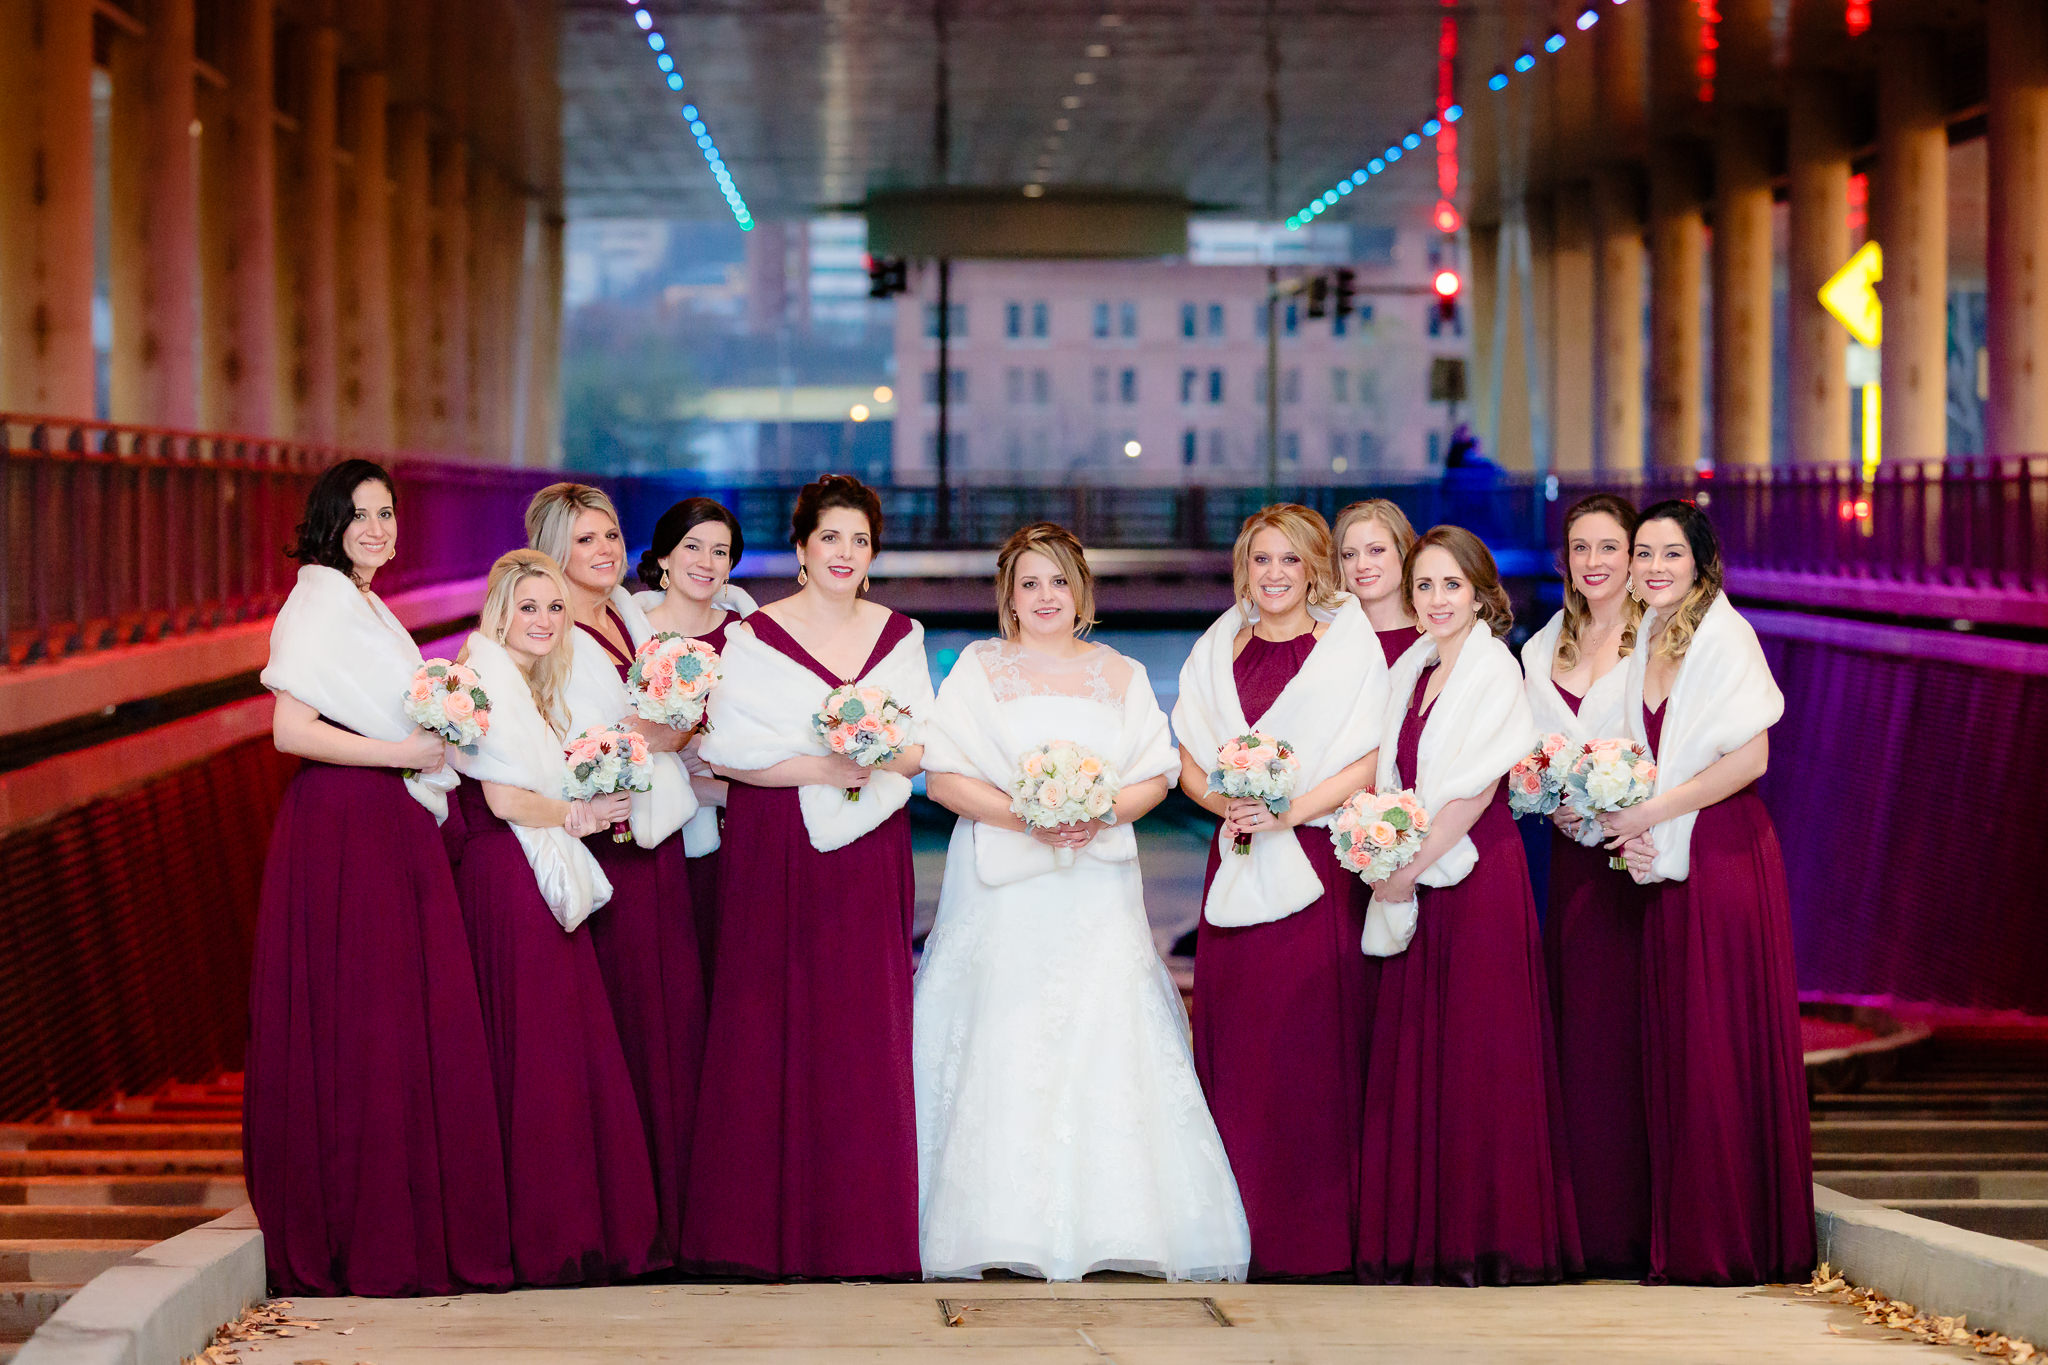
x: 664, y: 580
x: 803, y: 576
x: 501, y: 635
x: 863, y: 582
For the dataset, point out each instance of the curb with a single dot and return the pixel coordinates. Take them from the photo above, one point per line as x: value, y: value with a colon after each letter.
x: 2000, y: 1284
x: 161, y: 1304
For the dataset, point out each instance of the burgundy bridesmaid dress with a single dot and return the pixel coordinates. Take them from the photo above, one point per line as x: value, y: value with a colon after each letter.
x: 1281, y: 1011
x: 1731, y: 1153
x: 369, y: 1136
x: 1464, y: 1174
x: 647, y: 949
x: 805, y: 1164
x: 1593, y: 946
x: 581, y: 1190
x: 1396, y: 642
x: 704, y: 869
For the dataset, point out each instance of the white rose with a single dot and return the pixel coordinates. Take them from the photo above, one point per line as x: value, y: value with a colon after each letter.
x: 1606, y: 786
x: 1098, y: 803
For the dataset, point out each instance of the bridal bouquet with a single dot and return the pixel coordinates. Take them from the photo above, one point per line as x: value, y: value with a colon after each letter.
x: 1256, y: 766
x: 1062, y: 783
x: 448, y: 699
x: 1536, y: 784
x: 864, y: 724
x: 609, y: 759
x: 1605, y: 775
x: 1378, y: 833
x: 671, y: 679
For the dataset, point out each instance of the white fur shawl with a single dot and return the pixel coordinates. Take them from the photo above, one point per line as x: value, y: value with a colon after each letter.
x: 700, y: 831
x: 1478, y: 728
x: 1723, y: 697
x: 968, y: 735
x: 761, y: 714
x: 522, y: 750
x: 1329, y: 711
x: 1599, y: 713
x: 596, y: 696
x: 341, y: 651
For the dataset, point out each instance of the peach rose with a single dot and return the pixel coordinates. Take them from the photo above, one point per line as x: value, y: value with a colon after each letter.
x: 1383, y: 834
x: 1091, y: 766
x: 458, y: 706
x: 1034, y: 764
x: 421, y: 689
x: 839, y: 741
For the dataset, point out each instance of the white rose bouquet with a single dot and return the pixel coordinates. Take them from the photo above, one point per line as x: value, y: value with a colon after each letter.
x: 1606, y: 775
x: 1062, y: 783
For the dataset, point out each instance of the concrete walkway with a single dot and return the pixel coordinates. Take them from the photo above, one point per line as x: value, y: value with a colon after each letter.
x: 1126, y: 1321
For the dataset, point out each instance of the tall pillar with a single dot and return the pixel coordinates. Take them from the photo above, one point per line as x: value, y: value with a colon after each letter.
x: 311, y: 201
x: 46, y: 209
x: 2017, y: 145
x: 490, y: 329
x: 1911, y: 217
x: 412, y: 280
x: 543, y: 444
x: 1677, y: 261
x: 1486, y: 302
x: 1819, y: 246
x: 1618, y: 323
x: 153, y: 260
x: 449, y: 349
x: 1573, y: 324
x: 364, y: 288
x: 238, y: 226
x: 1742, y: 289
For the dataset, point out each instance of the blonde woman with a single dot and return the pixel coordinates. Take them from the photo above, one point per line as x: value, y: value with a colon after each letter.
x: 1282, y: 993
x: 1731, y: 1159
x: 1061, y: 1128
x: 1373, y: 538
x: 580, y: 1187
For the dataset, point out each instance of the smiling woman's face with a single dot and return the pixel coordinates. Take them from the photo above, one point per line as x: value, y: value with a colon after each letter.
x: 372, y: 535
x: 840, y: 548
x: 1370, y: 563
x: 1444, y: 600
x: 701, y: 560
x: 538, y: 612
x: 1663, y: 570
x: 1043, y: 599
x: 1279, y: 575
x: 1597, y: 553
x: 597, y: 553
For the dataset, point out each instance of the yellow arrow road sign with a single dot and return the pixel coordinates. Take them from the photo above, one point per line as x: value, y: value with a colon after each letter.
x: 1849, y: 296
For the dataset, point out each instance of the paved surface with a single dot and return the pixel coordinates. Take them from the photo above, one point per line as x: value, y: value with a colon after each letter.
x: 1126, y: 1321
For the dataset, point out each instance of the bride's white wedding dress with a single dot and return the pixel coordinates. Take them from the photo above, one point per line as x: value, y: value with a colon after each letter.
x: 1060, y: 1127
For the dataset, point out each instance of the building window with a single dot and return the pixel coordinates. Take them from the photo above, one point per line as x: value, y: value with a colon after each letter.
x: 1187, y: 321
x: 1101, y: 385
x: 1189, y: 439
x: 1216, y: 320
x: 1215, y: 386
x: 958, y: 386
x: 1188, y: 380
x: 1340, y: 386
x: 1337, y: 327
x: 1127, y: 386
x: 1127, y: 319
x: 1290, y: 386
x: 1041, y: 320
x: 1013, y: 320
x: 1041, y: 387
x: 1259, y: 323
x: 956, y: 323
x: 1013, y: 386
x: 1216, y: 447
x: 1339, y: 448
x: 1290, y: 446
x: 1369, y: 449
x: 1293, y: 326
x: 1101, y: 327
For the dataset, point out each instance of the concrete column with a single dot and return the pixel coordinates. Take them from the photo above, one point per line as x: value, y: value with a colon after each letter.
x: 543, y: 445
x: 1677, y: 260
x: 448, y: 366
x: 1910, y: 213
x: 1573, y: 325
x: 1621, y: 45
x: 153, y: 260
x: 310, y: 205
x: 1618, y: 323
x: 1742, y: 289
x: 1819, y: 246
x: 238, y: 227
x: 46, y: 209
x: 364, y: 287
x: 1484, y: 289
x: 2017, y: 145
x: 412, y: 280
x: 490, y: 326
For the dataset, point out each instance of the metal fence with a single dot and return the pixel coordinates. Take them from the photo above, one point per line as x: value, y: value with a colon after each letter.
x: 116, y: 535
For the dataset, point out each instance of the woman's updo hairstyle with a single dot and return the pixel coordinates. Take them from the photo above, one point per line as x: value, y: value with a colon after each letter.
x: 829, y: 491
x: 330, y: 507
x: 677, y: 522
x: 1475, y: 561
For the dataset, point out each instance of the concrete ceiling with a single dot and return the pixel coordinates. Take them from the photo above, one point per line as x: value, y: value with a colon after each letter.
x: 815, y: 102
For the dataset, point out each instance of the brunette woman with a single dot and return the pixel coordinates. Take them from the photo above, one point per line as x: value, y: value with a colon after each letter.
x: 1373, y: 538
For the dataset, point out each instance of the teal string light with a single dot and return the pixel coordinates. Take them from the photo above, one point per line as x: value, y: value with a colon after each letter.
x: 665, y: 63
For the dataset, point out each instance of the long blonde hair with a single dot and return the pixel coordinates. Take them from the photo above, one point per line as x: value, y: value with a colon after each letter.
x: 1308, y: 533
x: 1578, y: 612
x: 551, y: 518
x: 1059, y: 545
x: 549, y: 677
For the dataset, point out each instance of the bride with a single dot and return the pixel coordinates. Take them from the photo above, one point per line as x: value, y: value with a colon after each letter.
x: 1060, y: 1127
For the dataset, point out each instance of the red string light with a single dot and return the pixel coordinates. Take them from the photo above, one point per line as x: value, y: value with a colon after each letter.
x: 1710, y: 46
x: 1446, y: 211
x: 1856, y: 17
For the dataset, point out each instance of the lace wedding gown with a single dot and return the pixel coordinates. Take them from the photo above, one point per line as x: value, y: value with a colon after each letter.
x: 1060, y: 1126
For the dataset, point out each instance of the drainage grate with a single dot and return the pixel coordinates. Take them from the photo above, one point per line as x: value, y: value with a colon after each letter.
x: 1139, y: 1313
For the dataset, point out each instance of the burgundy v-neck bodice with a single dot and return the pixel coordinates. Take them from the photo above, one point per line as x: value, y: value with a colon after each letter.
x: 1571, y: 699
x: 770, y: 632
x: 1653, y: 725
x: 622, y: 662
x: 1411, y: 729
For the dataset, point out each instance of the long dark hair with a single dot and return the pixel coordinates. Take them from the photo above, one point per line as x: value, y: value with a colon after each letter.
x: 330, y: 507
x: 1706, y: 564
x: 677, y: 522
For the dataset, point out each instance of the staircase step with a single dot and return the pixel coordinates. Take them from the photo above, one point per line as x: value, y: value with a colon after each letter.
x: 1959, y: 1104
x: 41, y: 1137
x: 65, y: 1260
x: 1929, y: 1161
x: 193, y: 1161
x: 204, y: 1191
x: 1917, y: 1135
x: 1885, y: 1185
x: 2025, y: 1219
x: 26, y: 1305
x: 101, y: 1222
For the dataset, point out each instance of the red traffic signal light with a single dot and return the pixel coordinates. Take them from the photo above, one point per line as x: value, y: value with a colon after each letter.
x: 1446, y: 284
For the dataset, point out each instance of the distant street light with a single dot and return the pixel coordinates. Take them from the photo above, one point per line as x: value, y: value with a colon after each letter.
x: 884, y: 394
x: 1133, y: 449
x: 859, y: 412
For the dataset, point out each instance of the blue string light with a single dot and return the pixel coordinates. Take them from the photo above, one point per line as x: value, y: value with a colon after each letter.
x: 1498, y: 81
x: 698, y: 130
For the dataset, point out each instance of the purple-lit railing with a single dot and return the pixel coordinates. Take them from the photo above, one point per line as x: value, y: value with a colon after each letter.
x: 118, y: 535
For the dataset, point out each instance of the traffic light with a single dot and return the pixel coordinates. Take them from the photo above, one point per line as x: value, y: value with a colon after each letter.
x: 1319, y: 297
x: 1344, y: 292
x: 887, y: 275
x: 1446, y: 284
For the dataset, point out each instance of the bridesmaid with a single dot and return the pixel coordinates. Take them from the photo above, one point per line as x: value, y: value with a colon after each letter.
x: 582, y: 1192
x: 371, y: 1156
x: 1731, y: 1160
x: 1373, y: 538
x: 646, y: 939
x: 688, y: 572
x: 806, y: 1158
x: 1464, y: 1179
x: 1282, y: 993
x: 1593, y: 933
